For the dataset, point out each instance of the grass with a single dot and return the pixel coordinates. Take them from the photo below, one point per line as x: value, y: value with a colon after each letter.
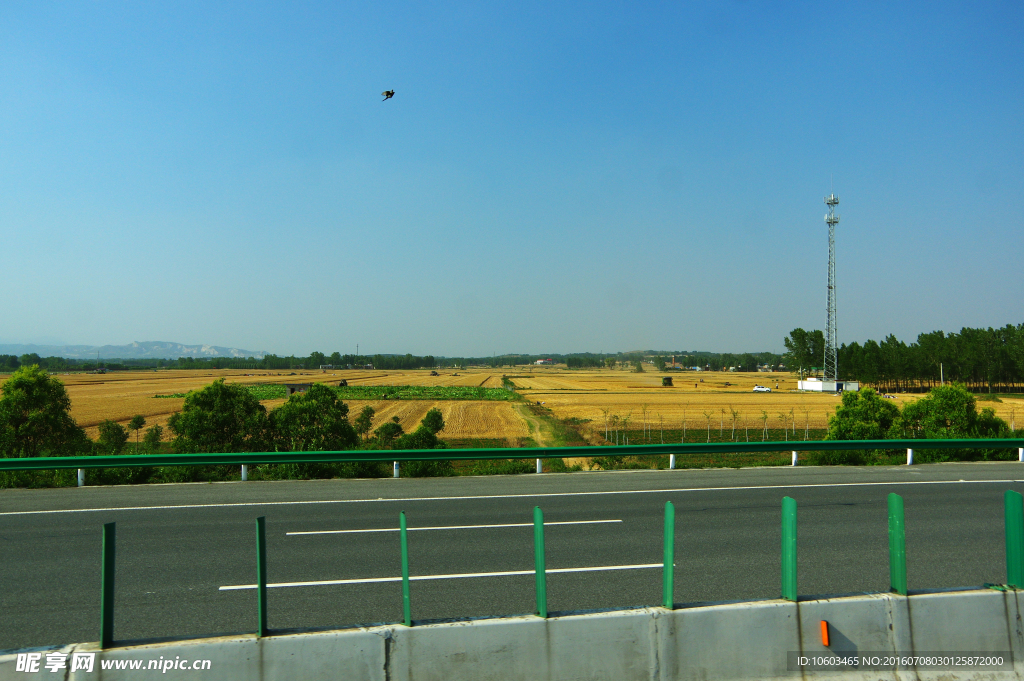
x: 271, y: 391
x: 485, y: 443
x: 656, y: 436
x: 424, y: 392
x: 557, y: 432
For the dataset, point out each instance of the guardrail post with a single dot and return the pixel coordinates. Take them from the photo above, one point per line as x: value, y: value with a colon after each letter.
x: 538, y: 556
x: 668, y: 573
x: 107, y: 587
x: 794, y: 458
x: 261, y: 575
x: 245, y: 473
x: 910, y: 457
x: 897, y: 546
x: 1014, y: 509
x: 81, y: 477
x: 1020, y: 454
x: 406, y: 609
x: 671, y: 462
x: 540, y: 467
x: 396, y: 469
x: 789, y: 548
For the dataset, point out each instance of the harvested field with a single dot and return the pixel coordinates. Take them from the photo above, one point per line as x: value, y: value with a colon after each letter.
x: 696, y: 398
x: 462, y: 419
x: 119, y: 396
x: 592, y: 396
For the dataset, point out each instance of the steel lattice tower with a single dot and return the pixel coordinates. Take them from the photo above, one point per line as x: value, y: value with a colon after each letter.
x: 831, y: 361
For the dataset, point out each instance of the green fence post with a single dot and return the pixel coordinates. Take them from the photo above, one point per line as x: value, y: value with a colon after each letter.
x: 897, y: 546
x: 1014, y: 503
x: 107, y: 588
x: 789, y: 548
x: 668, y: 574
x: 406, y: 610
x: 261, y: 574
x: 538, y: 554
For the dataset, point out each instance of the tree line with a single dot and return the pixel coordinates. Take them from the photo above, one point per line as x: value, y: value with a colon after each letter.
x: 35, y: 421
x: 316, y: 359
x: 983, y: 360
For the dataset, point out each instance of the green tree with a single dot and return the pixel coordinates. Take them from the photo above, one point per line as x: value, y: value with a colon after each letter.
x: 638, y: 366
x: 659, y: 362
x: 313, y: 421
x: 804, y: 349
x: 421, y: 438
x: 862, y: 416
x: 220, y: 418
x: 113, y: 437
x: 948, y: 411
x: 425, y: 437
x: 433, y: 421
x: 609, y: 362
x: 30, y: 358
x: 388, y: 433
x: 151, y: 441
x: 137, y: 423
x: 35, y: 417
x: 364, y: 421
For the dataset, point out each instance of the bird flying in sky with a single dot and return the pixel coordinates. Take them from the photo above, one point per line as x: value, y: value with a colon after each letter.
x: 387, y: 94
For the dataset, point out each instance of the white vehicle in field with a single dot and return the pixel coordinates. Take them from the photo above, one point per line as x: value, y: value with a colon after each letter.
x: 761, y: 389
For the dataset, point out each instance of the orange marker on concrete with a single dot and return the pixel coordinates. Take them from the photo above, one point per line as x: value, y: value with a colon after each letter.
x: 824, y: 633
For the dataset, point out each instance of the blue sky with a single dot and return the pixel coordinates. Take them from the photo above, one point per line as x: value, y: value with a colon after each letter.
x: 549, y: 177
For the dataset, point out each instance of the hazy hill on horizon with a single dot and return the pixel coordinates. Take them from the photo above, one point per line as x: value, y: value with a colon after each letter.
x: 135, y: 350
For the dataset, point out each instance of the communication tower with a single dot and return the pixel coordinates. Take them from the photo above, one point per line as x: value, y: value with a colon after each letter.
x: 831, y: 362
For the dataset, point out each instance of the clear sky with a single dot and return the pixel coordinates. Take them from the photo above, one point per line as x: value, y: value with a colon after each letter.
x: 549, y: 177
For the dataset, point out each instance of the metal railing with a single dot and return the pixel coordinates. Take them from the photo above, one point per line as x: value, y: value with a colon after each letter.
x: 398, y: 455
x: 1013, y: 517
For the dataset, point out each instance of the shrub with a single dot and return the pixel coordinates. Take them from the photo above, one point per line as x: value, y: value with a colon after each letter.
x: 862, y: 416
x: 221, y: 418
x: 314, y: 421
x: 113, y: 437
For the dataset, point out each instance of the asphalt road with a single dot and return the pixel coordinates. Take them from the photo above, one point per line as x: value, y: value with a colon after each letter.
x: 177, y: 545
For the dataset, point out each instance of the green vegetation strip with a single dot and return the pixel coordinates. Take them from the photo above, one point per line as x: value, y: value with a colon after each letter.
x: 60, y: 462
x: 271, y: 391
x: 267, y: 391
x: 423, y: 392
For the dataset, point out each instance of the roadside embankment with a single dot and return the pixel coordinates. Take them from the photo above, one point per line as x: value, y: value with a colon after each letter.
x: 718, y: 642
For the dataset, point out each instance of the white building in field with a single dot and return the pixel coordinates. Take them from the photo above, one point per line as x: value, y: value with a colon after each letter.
x: 820, y: 386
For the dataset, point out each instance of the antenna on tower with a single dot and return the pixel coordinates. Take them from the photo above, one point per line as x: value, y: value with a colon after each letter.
x: 831, y: 360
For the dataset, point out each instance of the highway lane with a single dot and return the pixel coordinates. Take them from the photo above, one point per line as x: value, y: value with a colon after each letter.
x: 179, y: 544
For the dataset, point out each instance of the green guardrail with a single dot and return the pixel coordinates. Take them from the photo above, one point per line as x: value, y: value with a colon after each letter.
x: 1013, y: 520
x: 250, y: 458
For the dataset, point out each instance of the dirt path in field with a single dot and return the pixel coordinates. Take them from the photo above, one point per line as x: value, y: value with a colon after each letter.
x: 539, y: 431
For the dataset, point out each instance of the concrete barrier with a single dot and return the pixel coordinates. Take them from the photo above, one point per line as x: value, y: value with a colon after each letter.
x: 730, y: 641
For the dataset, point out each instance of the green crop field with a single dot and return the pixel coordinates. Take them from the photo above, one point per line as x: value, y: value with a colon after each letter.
x: 423, y: 392
x: 265, y: 391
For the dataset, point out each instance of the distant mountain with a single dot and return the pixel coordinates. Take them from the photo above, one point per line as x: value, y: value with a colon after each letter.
x: 136, y: 350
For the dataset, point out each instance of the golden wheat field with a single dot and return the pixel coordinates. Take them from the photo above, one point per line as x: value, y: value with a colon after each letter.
x: 697, y: 398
